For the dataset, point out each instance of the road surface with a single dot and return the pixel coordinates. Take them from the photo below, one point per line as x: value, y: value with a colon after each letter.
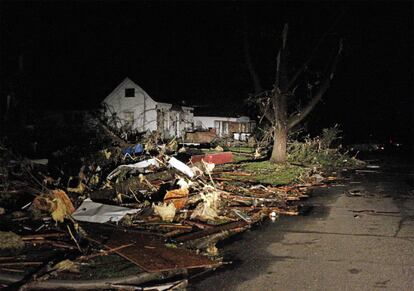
x: 359, y: 242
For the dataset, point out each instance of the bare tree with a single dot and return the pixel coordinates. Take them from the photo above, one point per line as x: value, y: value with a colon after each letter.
x: 274, y: 104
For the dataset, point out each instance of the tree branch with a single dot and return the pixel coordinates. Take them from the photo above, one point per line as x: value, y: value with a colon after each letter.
x: 297, y: 118
x: 267, y: 111
x: 281, y: 80
x: 307, y: 62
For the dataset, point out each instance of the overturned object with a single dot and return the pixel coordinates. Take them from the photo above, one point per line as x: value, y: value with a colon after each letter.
x: 90, y: 211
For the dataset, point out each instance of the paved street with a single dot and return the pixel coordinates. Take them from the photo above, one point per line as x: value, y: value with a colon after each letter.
x: 359, y: 242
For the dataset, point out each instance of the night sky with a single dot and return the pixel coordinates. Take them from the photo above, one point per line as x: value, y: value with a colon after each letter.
x: 75, y: 53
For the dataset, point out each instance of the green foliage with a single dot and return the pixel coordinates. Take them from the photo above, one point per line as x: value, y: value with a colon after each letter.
x: 321, y: 151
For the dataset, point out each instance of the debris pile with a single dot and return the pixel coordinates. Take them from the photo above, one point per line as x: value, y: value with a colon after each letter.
x: 147, y: 203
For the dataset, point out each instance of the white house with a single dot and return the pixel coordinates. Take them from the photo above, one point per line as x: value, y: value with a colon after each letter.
x: 136, y: 110
x: 236, y: 127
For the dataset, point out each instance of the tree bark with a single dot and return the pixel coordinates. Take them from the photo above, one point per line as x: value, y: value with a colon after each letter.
x: 280, y: 132
x: 279, y: 145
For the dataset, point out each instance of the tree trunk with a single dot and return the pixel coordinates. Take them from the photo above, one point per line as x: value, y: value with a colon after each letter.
x: 279, y: 145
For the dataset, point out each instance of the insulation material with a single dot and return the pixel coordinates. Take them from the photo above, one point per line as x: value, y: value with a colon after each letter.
x: 166, y: 211
x: 208, y: 208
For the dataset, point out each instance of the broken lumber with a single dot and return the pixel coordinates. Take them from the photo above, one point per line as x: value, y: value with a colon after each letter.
x: 209, y: 231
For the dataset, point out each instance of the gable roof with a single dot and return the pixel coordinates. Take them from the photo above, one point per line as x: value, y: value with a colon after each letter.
x: 157, y: 100
x: 123, y: 83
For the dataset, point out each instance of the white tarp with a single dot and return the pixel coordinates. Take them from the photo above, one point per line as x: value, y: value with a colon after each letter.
x: 100, y: 213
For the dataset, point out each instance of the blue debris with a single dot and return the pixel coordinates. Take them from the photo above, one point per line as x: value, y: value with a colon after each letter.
x: 136, y: 149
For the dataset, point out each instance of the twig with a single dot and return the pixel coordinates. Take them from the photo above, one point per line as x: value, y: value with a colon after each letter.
x: 104, y: 253
x: 76, y: 242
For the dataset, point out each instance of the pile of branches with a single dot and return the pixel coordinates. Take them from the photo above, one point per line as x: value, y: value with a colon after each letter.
x: 323, y: 151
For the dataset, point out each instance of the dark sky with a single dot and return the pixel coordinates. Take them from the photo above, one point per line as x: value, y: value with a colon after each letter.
x: 75, y: 53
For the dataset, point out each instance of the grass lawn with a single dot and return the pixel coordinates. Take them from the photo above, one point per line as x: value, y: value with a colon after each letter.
x: 268, y: 173
x: 245, y: 150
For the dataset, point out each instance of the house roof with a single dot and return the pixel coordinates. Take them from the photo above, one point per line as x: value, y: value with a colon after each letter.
x: 156, y: 99
x: 120, y: 85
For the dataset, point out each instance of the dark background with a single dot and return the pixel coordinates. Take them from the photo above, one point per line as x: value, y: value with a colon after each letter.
x: 75, y: 53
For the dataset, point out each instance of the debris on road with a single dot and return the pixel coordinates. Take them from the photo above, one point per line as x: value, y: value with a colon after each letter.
x: 158, y: 207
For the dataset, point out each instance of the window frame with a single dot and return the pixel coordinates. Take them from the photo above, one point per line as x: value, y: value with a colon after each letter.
x: 127, y: 92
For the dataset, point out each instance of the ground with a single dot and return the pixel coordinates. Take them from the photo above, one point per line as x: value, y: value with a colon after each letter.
x: 344, y: 243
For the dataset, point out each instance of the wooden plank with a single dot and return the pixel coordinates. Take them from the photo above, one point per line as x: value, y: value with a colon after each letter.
x: 209, y: 231
x: 150, y: 253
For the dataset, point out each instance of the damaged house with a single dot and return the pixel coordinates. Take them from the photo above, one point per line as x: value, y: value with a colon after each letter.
x: 134, y: 109
x: 238, y: 128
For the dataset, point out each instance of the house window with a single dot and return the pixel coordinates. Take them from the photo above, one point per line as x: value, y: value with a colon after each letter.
x: 129, y: 92
x: 225, y: 128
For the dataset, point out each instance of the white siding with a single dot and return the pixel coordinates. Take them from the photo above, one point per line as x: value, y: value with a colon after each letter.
x: 144, y: 110
x: 142, y: 105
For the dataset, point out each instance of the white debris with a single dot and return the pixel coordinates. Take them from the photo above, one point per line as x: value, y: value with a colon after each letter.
x: 140, y: 165
x: 209, y: 167
x: 180, y: 166
x: 100, y: 213
x: 207, y: 209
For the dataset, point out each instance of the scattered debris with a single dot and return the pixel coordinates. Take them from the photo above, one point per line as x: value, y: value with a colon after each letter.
x: 155, y: 206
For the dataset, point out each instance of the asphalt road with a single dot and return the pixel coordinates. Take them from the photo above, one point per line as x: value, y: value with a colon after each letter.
x: 359, y: 242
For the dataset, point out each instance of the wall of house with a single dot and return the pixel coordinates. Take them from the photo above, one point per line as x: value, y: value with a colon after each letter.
x: 143, y: 113
x: 174, y: 122
x: 142, y: 106
x: 224, y: 126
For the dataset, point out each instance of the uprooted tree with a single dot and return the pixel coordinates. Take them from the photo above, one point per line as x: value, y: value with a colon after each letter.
x: 275, y: 105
